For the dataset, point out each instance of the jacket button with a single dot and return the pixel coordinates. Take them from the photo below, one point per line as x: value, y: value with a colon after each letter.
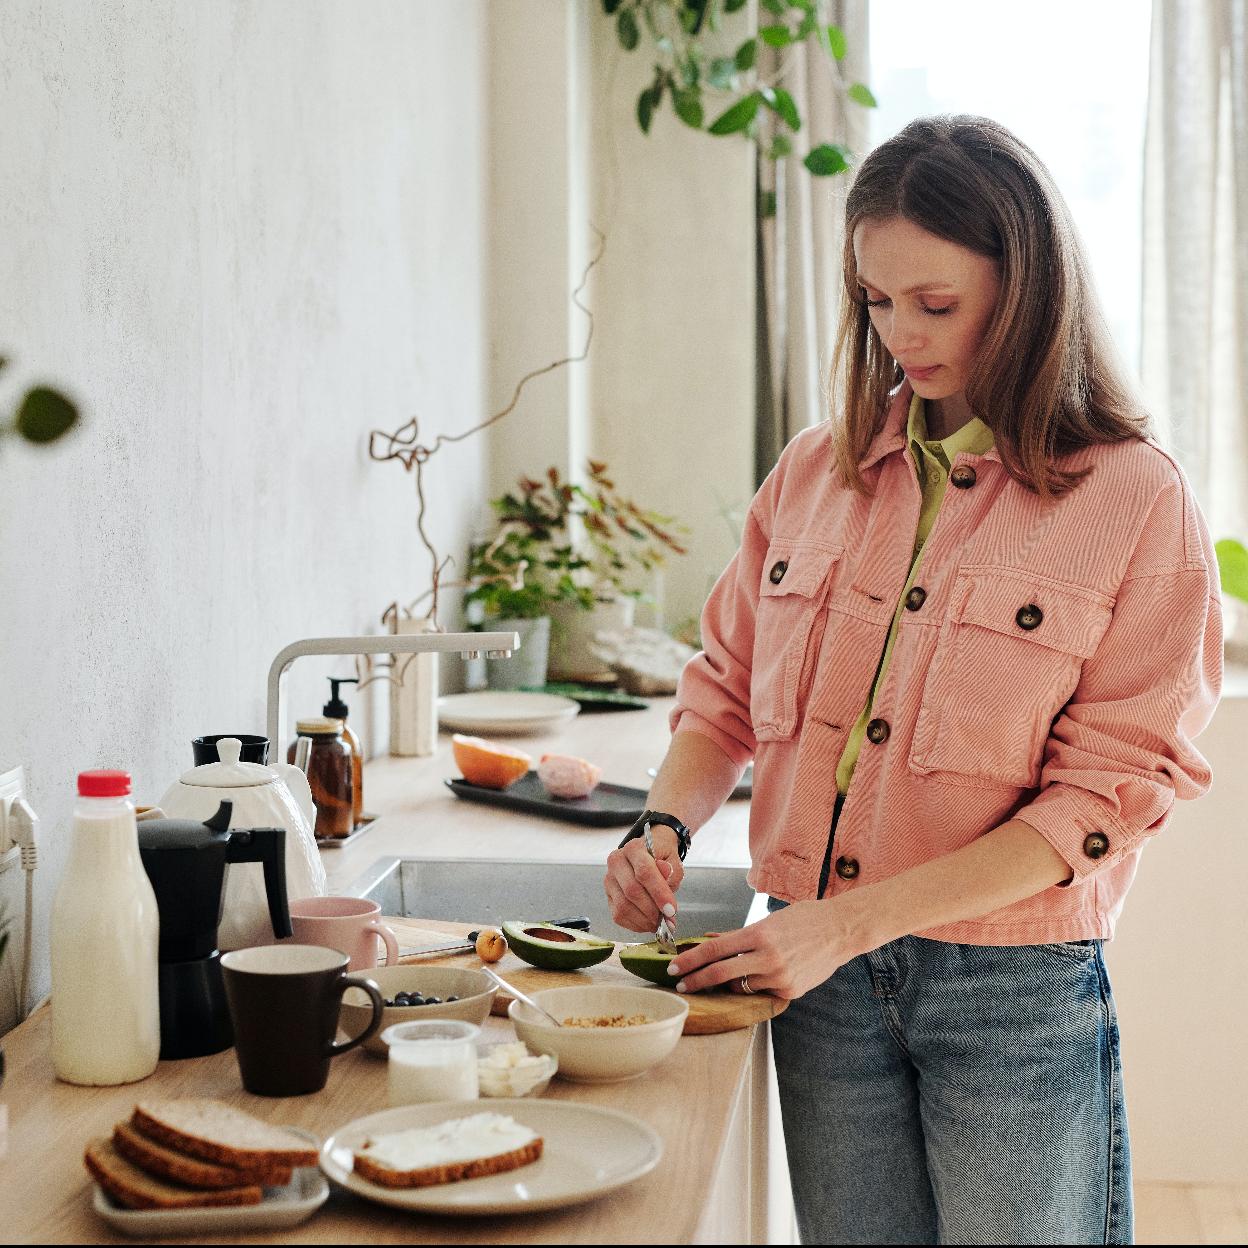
x: 847, y: 868
x: 963, y: 476
x: 916, y: 598
x: 1029, y: 617
x: 777, y: 572
x: 1096, y: 845
x: 877, y: 731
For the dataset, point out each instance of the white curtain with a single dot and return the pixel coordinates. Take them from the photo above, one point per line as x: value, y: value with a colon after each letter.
x: 799, y: 248
x: 1194, y: 340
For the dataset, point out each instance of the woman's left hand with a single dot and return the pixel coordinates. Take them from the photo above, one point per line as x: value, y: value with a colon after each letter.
x: 785, y: 955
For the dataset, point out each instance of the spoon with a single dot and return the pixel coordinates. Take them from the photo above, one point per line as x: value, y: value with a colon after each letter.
x: 520, y: 996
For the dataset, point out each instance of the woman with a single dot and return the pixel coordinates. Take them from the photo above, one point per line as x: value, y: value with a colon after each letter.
x: 967, y: 707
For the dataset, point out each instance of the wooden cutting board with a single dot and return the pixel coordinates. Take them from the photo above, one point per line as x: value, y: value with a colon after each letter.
x: 709, y: 1012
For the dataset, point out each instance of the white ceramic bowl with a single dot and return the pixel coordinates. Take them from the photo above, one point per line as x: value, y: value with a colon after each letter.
x: 602, y: 1054
x: 474, y: 990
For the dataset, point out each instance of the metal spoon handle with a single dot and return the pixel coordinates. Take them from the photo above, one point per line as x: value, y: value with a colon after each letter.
x: 520, y: 996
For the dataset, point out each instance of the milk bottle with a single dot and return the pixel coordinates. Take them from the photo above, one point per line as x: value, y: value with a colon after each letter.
x: 105, y: 933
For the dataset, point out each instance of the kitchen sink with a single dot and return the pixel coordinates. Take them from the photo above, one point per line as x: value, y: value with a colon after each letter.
x: 477, y: 890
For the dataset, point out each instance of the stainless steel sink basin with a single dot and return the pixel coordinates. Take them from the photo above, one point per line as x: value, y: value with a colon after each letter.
x: 475, y: 890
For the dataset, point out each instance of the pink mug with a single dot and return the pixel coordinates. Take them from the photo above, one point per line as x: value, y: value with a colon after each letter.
x: 348, y: 924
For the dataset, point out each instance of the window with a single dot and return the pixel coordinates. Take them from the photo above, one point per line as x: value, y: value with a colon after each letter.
x: 1069, y: 78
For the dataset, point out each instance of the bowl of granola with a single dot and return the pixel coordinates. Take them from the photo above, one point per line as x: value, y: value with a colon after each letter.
x: 608, y: 1032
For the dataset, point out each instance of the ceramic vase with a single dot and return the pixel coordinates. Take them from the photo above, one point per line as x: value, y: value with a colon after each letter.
x: 414, y: 701
x: 527, y: 667
x: 573, y: 632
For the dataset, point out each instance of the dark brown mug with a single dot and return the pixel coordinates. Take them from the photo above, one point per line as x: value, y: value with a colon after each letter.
x: 284, y: 1002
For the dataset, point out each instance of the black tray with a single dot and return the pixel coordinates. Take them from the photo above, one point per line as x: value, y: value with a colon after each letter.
x: 608, y: 806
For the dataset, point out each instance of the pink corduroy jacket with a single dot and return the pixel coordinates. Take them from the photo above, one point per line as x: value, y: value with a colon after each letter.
x: 1054, y: 665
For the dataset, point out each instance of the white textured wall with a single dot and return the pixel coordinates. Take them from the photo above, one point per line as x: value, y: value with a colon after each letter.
x: 672, y: 382
x: 243, y: 233
x: 667, y: 393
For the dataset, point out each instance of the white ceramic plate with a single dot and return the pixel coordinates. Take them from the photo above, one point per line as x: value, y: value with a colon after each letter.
x: 586, y: 1152
x: 503, y: 711
x: 281, y: 1207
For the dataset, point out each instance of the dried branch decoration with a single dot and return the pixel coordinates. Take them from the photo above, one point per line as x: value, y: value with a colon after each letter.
x: 402, y: 444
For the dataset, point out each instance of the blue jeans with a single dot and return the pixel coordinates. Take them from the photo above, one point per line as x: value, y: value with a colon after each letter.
x: 936, y: 1093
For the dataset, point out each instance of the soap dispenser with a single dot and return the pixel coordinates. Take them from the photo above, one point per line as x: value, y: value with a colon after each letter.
x: 336, y: 708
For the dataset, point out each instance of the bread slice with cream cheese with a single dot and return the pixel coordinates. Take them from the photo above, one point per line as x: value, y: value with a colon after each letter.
x: 461, y: 1148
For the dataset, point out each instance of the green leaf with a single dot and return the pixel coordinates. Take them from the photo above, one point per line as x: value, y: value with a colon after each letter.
x: 689, y: 20
x: 862, y: 95
x: 809, y: 24
x: 610, y: 6
x: 827, y: 158
x: 688, y: 106
x: 645, y: 109
x: 723, y: 72
x: 767, y: 204
x: 45, y: 415
x: 775, y: 36
x: 781, y: 103
x: 745, y: 55
x: 738, y: 116
x: 838, y: 45
x: 781, y: 146
x: 732, y: 6
x: 626, y: 28
x: 697, y: 9
x: 1233, y: 566
x: 778, y: 7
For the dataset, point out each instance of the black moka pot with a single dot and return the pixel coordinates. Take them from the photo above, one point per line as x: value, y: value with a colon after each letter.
x: 186, y: 863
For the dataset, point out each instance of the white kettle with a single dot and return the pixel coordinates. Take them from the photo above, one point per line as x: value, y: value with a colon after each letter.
x: 263, y: 797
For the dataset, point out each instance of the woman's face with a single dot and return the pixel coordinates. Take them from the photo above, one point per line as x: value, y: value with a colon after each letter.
x: 930, y: 301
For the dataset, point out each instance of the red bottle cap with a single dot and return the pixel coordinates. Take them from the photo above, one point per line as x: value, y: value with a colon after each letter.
x: 103, y: 784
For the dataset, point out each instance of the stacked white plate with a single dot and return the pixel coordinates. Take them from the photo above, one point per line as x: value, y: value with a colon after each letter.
x: 501, y: 712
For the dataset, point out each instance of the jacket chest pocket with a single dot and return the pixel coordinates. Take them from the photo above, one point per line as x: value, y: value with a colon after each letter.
x: 788, y: 628
x: 1008, y: 659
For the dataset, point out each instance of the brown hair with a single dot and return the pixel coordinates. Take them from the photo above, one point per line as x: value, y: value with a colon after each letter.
x: 1047, y: 378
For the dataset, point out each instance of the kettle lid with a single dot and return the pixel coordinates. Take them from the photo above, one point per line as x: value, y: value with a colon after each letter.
x: 229, y: 773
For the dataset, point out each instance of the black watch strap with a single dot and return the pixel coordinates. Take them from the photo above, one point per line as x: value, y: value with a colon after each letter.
x: 683, y: 836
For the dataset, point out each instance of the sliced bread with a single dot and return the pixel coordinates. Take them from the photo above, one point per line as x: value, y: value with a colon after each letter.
x: 214, y: 1131
x: 177, y: 1167
x: 463, y: 1148
x: 133, y: 1188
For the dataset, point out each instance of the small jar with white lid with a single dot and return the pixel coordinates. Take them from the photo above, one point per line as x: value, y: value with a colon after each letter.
x: 432, y: 1060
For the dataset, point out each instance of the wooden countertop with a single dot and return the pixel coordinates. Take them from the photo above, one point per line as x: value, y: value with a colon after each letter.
x: 45, y: 1194
x: 690, y: 1099
x: 420, y: 815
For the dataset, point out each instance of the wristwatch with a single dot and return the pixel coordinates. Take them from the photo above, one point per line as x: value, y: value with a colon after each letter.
x: 650, y: 817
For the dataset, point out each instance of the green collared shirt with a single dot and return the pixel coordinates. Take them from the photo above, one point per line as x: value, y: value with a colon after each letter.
x: 933, y: 460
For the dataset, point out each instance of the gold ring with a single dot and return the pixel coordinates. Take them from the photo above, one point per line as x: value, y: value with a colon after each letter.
x: 744, y: 981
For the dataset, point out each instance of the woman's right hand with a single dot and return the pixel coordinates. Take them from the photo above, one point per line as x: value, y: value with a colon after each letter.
x: 639, y: 887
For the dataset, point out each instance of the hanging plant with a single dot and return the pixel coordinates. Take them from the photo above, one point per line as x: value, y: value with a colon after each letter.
x: 1232, y: 558
x: 702, y: 83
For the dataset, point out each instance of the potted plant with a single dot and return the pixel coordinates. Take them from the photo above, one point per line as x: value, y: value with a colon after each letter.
x: 566, y: 552
x: 1232, y: 558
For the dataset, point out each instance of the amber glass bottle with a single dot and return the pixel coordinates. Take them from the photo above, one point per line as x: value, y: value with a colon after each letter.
x: 329, y: 775
x: 336, y: 708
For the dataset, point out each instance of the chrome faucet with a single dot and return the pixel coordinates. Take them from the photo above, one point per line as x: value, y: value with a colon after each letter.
x: 469, y: 645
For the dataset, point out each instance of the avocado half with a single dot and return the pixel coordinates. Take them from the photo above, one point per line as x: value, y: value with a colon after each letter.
x: 555, y: 948
x: 650, y: 962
